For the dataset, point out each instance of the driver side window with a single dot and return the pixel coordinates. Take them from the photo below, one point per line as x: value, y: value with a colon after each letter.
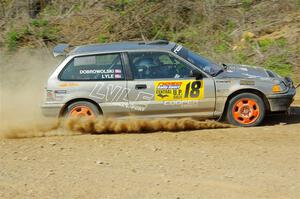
x: 157, y: 65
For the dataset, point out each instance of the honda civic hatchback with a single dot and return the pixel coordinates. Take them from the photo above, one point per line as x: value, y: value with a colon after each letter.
x: 161, y: 79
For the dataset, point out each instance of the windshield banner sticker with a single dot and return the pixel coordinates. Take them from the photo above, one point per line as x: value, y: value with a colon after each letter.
x: 82, y: 61
x: 179, y: 90
x: 177, y: 49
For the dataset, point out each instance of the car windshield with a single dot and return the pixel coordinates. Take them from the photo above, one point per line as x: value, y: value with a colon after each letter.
x: 204, y: 64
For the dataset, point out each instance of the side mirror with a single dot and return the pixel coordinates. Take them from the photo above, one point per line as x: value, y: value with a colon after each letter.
x: 197, y: 74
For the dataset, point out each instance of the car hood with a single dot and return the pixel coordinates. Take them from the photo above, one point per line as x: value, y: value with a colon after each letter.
x: 244, y: 71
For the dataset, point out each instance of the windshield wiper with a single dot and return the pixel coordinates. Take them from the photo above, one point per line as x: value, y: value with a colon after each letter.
x: 224, y: 66
x: 218, y: 73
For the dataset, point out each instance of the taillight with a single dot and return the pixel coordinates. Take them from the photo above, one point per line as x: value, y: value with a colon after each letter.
x: 49, y: 95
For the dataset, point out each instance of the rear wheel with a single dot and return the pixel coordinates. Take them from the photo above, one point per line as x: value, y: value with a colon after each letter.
x: 82, y: 109
x: 246, y: 109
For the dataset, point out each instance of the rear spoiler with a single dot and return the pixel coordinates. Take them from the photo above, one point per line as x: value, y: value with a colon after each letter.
x: 59, y: 50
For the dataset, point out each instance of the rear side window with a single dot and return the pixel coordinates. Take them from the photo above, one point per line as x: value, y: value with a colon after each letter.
x: 94, y: 67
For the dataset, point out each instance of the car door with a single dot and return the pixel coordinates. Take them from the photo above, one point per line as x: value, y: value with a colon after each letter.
x: 100, y: 78
x: 162, y: 85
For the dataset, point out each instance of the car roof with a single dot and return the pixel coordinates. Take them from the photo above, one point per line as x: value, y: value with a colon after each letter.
x: 123, y: 46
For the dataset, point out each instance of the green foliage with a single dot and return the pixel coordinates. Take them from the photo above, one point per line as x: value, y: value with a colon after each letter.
x: 279, y: 64
x: 264, y: 44
x: 224, y: 36
x: 221, y: 48
x: 298, y: 5
x: 222, y: 39
x: 102, y: 38
x: 240, y: 57
x: 230, y: 25
x: 281, y: 42
x: 77, y: 7
x: 12, y: 38
x: 50, y: 10
x: 123, y: 1
x: 247, y: 3
x: 47, y: 33
x: 39, y: 22
x: 37, y: 28
x: 229, y: 33
x: 120, y: 5
x: 156, y: 30
x: 188, y: 37
x: 42, y: 29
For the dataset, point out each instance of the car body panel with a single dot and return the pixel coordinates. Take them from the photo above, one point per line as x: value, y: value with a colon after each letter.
x: 244, y: 71
x: 153, y: 102
x: 122, y: 98
x: 119, y: 47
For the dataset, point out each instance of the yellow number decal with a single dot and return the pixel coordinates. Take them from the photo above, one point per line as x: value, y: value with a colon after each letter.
x: 179, y: 90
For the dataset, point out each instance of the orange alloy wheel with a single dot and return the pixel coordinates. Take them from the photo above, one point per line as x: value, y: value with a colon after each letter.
x: 246, y: 111
x: 81, y: 111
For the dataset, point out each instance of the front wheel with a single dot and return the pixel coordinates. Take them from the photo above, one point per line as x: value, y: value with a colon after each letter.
x: 246, y: 109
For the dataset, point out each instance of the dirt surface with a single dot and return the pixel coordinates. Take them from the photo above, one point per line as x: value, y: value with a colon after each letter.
x: 260, y: 162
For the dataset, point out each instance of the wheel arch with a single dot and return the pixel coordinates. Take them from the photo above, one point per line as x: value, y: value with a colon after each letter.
x: 64, y: 108
x: 246, y: 90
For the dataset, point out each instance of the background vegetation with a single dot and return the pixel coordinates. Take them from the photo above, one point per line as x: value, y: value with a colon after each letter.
x: 257, y: 32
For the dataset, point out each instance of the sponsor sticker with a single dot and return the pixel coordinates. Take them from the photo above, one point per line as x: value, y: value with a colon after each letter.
x: 118, y: 71
x: 71, y: 84
x: 179, y: 90
x: 103, y: 73
x: 116, y: 93
x: 118, y: 76
x: 247, y: 82
x: 96, y: 71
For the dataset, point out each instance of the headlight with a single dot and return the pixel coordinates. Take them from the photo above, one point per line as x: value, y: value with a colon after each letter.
x: 278, y: 88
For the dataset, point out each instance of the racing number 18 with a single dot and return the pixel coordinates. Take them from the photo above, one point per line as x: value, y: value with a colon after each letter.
x: 192, y: 90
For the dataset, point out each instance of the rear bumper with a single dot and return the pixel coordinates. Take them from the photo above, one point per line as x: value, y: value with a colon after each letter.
x: 51, y: 110
x: 281, y: 102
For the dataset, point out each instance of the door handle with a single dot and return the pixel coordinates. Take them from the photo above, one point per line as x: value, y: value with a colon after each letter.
x: 140, y: 86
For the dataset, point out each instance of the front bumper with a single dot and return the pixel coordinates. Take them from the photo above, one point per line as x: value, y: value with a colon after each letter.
x: 281, y: 102
x: 51, y: 110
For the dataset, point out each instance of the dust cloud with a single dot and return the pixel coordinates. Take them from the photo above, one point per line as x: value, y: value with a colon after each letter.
x: 23, y: 77
x: 76, y: 126
x: 133, y: 125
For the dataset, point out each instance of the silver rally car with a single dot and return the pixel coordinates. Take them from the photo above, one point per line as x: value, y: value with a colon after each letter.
x: 161, y: 79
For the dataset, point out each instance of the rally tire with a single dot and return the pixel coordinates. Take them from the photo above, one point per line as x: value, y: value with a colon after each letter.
x: 246, y: 110
x: 82, y: 109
